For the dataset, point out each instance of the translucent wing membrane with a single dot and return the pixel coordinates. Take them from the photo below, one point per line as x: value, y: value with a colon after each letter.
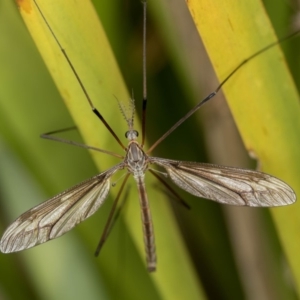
x: 58, y: 215
x: 228, y: 185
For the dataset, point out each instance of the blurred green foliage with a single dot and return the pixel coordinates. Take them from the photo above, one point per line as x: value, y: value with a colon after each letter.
x: 33, y: 169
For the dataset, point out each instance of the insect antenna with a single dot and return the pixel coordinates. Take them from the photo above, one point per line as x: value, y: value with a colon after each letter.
x: 128, y: 112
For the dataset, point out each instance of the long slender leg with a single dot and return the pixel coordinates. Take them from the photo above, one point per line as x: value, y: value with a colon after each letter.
x: 211, y: 95
x: 110, y: 220
x: 49, y: 136
x: 144, y: 74
x: 95, y: 111
x: 170, y: 189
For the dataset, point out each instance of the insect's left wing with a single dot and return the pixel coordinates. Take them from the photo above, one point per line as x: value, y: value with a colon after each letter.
x: 228, y: 185
x: 57, y: 215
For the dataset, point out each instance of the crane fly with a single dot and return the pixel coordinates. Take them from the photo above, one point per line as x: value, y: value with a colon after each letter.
x: 226, y: 185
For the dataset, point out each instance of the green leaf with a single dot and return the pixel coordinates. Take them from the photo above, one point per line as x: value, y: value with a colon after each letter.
x: 262, y: 97
x: 90, y: 53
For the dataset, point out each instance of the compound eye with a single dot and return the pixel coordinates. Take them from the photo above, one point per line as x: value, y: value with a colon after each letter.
x: 131, y: 134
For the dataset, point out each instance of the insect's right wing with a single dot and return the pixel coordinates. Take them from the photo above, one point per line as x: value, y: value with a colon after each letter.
x: 57, y: 215
x: 228, y: 185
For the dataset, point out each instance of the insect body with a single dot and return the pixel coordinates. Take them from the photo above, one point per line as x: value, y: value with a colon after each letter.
x: 222, y: 184
x: 226, y: 185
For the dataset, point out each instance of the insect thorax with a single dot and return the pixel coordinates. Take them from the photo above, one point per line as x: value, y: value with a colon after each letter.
x: 136, y: 159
